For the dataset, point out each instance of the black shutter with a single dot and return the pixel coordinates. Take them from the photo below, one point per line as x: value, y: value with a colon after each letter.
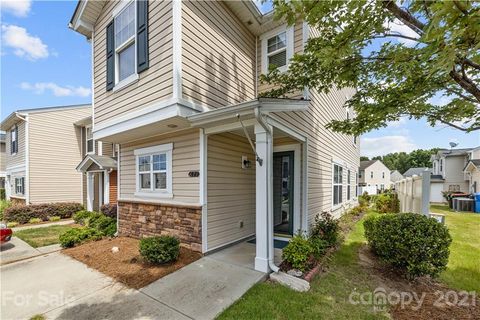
x: 110, y: 56
x: 142, y: 35
x: 11, y: 141
x: 16, y: 138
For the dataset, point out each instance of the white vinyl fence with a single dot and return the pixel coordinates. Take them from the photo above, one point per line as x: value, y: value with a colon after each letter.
x: 371, y: 190
x: 414, y: 193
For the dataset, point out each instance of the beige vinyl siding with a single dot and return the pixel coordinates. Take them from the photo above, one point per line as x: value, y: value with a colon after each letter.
x: 185, y: 158
x: 231, y: 190
x: 17, y: 159
x: 3, y: 156
x: 297, y: 48
x: 154, y: 84
x: 453, y: 173
x: 13, y: 175
x: 218, y: 55
x: 324, y: 146
x: 54, y: 153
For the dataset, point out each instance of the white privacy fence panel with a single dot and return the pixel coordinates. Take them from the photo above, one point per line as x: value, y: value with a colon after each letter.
x: 371, y: 190
x: 414, y: 193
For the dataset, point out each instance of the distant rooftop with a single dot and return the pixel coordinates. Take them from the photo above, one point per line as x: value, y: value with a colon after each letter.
x: 416, y: 171
x: 366, y: 164
x: 454, y: 152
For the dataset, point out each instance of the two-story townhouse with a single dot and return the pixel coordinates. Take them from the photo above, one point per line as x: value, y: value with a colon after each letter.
x: 43, y: 147
x: 3, y: 163
x: 395, y: 176
x: 448, y: 167
x: 200, y: 156
x: 374, y: 173
x: 472, y: 170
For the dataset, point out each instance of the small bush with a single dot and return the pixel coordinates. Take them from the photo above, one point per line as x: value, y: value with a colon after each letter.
x: 77, y: 236
x: 54, y: 218
x: 161, y: 249
x: 298, y: 251
x: 12, y: 224
x: 23, y: 213
x: 110, y: 210
x: 106, y: 225
x: 411, y: 242
x: 319, y: 246
x: 82, y: 216
x: 387, y: 203
x: 34, y: 220
x: 326, y: 228
x: 2, y: 194
x: 3, y: 205
x: 358, y: 210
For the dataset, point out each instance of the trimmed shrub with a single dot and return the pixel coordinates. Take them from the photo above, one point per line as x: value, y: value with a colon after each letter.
x: 319, y: 246
x: 364, y: 201
x: 3, y: 205
x: 35, y: 220
x: 23, y: 213
x: 298, y: 251
x: 110, y: 210
x: 358, y: 210
x: 12, y: 224
x: 160, y: 249
x: 106, y: 225
x: 54, y: 218
x: 387, y: 203
x: 326, y: 228
x: 2, y: 194
x: 77, y: 236
x: 411, y: 242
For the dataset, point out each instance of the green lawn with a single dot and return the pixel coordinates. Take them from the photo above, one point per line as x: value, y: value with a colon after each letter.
x: 40, y: 237
x: 463, y: 270
x: 327, y: 298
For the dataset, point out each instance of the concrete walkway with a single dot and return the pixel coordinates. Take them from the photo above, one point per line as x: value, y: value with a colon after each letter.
x: 62, y: 288
x: 43, y: 225
x: 17, y: 249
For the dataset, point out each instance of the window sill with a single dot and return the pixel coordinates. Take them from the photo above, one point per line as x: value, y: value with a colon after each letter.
x: 18, y: 196
x: 153, y: 195
x: 337, y: 206
x: 126, y: 82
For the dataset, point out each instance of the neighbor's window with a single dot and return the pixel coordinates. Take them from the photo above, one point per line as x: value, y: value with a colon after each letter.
x: 383, y: 175
x: 125, y: 42
x: 154, y: 169
x: 371, y: 174
x: 349, y: 185
x: 441, y: 165
x: 14, y: 140
x: 337, y: 184
x: 90, y: 143
x: 356, y: 185
x: 19, y: 186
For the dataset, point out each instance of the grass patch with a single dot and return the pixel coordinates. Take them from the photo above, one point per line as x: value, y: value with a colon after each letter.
x: 463, y: 269
x: 39, y: 237
x: 327, y: 298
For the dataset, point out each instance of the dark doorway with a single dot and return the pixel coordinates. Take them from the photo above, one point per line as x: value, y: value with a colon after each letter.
x: 283, y: 192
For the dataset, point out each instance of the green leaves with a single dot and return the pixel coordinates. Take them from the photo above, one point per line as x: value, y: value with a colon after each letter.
x: 369, y: 45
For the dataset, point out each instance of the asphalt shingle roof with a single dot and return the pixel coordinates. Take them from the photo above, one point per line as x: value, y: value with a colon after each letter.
x: 415, y: 171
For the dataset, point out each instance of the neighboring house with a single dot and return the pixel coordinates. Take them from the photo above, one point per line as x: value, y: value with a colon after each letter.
x: 395, y: 176
x: 448, y: 167
x: 200, y: 156
x: 3, y: 162
x: 98, y: 168
x: 416, y: 171
x: 374, y: 173
x: 472, y: 171
x: 43, y: 146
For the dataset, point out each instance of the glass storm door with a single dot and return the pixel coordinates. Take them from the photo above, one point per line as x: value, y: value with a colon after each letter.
x: 283, y: 193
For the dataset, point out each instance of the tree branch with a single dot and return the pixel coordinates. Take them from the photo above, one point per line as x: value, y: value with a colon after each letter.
x: 466, y: 84
x: 441, y: 120
x: 396, y: 35
x: 404, y: 16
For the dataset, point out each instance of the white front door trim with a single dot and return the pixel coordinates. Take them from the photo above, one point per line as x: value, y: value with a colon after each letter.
x: 90, y: 191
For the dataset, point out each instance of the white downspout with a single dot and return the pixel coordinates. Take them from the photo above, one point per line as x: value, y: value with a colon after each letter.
x: 268, y: 162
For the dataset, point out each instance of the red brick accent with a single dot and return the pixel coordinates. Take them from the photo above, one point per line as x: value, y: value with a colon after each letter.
x: 139, y: 219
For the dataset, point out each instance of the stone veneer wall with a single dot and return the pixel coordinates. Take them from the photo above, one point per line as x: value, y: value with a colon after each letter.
x: 141, y: 219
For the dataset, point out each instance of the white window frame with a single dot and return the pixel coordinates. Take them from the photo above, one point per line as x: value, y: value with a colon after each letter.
x: 150, y: 151
x: 14, y: 132
x: 339, y: 204
x: 349, y: 184
x: 371, y: 174
x: 289, y: 46
x: 22, y: 185
x: 89, y: 127
x: 133, y: 39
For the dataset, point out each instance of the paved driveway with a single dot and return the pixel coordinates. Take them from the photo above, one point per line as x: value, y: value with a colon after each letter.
x: 62, y: 288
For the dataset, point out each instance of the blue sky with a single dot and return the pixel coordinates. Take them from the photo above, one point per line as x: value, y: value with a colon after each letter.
x: 43, y: 63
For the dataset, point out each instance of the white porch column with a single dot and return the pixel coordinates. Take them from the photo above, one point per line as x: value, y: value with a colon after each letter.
x: 90, y: 191
x: 264, y: 149
x: 106, y: 184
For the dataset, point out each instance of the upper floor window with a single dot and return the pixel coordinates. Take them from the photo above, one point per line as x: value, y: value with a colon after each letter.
x: 337, y: 184
x: 154, y: 170
x: 14, y: 140
x: 125, y: 42
x: 277, y: 48
x: 371, y: 174
x: 89, y: 142
x: 383, y: 175
x: 441, y: 165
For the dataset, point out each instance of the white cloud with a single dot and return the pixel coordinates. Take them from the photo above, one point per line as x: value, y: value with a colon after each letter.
x: 19, y: 8
x: 396, y: 124
x: 23, y: 43
x: 58, y: 91
x: 398, y: 27
x: 372, y: 147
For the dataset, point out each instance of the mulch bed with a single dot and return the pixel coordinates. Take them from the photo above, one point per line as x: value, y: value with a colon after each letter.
x: 126, y: 265
x: 439, y: 303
